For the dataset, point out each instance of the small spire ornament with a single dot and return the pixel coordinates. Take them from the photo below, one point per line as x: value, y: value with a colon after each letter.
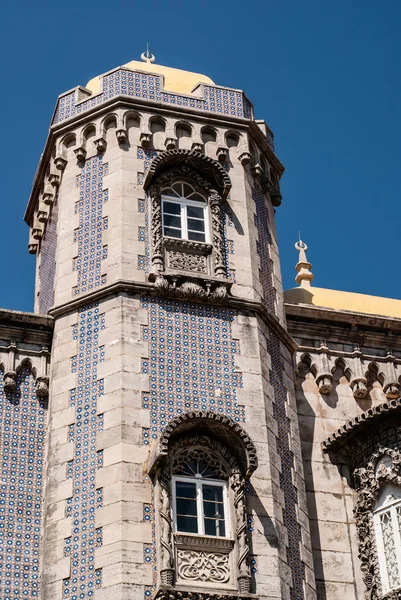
x: 147, y: 56
x: 304, y: 274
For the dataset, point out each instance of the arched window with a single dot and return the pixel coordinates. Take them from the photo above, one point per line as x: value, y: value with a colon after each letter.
x: 200, y: 499
x: 184, y: 213
x: 387, y: 522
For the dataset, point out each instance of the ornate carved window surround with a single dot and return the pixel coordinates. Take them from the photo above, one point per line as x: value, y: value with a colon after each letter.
x: 200, y: 261
x: 202, y: 563
x: 371, y: 446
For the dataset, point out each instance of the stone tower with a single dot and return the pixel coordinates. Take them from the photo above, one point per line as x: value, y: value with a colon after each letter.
x: 173, y: 463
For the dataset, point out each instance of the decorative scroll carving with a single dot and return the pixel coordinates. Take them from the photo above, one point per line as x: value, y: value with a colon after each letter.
x: 167, y: 555
x: 186, y: 262
x: 212, y: 567
x: 186, y: 450
x: 217, y: 228
x: 244, y: 576
x: 369, y: 480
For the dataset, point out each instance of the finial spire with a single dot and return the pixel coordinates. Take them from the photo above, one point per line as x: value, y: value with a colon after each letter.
x: 304, y: 274
x: 147, y: 56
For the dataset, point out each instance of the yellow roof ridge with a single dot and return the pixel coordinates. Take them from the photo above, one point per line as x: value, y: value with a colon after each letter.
x: 341, y: 300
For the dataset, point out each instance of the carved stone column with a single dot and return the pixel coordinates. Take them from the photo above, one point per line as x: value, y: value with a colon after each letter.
x: 217, y: 229
x: 243, y: 572
x: 157, y: 234
x: 166, y: 544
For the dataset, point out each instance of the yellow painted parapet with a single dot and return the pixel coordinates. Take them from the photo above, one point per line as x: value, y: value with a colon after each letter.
x: 175, y: 80
x: 348, y: 301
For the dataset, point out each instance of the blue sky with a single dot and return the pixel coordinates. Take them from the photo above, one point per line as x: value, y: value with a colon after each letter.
x: 326, y: 76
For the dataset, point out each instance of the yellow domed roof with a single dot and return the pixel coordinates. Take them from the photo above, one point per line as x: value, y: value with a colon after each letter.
x: 175, y: 80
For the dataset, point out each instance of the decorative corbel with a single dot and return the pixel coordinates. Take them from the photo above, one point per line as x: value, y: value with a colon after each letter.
x: 145, y: 138
x: 324, y: 379
x: 275, y: 194
x: 43, y: 212
x: 121, y: 135
x: 245, y: 158
x: 222, y: 154
x: 32, y: 246
x: 358, y: 382
x: 257, y: 172
x: 198, y: 146
x: 42, y: 381
x: 54, y: 179
x: 392, y: 386
x: 48, y: 194
x: 37, y: 230
x: 100, y: 144
x: 60, y: 163
x: 170, y: 142
x: 80, y: 153
x: 10, y: 376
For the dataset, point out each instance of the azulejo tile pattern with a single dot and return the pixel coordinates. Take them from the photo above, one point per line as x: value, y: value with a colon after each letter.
x: 86, y: 498
x: 191, y: 363
x: 22, y: 445
x: 279, y: 406
x: 89, y: 235
x: 149, y: 87
x: 47, y: 270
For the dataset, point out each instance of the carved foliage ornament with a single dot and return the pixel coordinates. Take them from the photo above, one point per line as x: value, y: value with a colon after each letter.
x: 210, y: 567
x: 369, y: 481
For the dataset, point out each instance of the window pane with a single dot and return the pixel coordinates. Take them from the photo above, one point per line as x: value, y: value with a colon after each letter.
x: 198, y: 198
x: 177, y: 187
x: 184, y: 489
x: 196, y: 225
x: 170, y: 221
x: 172, y: 232
x: 171, y: 207
x: 188, y: 190
x: 213, y: 510
x: 196, y: 237
x: 195, y: 211
x: 187, y: 524
x: 214, y: 527
x: 213, y: 492
x: 186, y: 507
x: 390, y: 551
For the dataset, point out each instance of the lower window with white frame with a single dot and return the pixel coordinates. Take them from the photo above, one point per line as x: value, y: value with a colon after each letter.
x: 387, y: 522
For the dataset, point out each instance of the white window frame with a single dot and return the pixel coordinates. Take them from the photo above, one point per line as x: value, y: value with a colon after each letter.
x: 392, y: 509
x: 184, y: 202
x: 199, y: 481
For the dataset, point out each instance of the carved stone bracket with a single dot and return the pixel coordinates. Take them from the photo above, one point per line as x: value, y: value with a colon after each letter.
x: 42, y: 387
x: 170, y: 143
x: 245, y: 158
x: 145, y: 138
x: 325, y: 383
x: 275, y: 194
x: 121, y: 135
x: 80, y: 153
x: 10, y: 382
x: 182, y: 593
x: 197, y: 146
x: 358, y: 387
x: 60, y: 163
x: 257, y: 172
x: 54, y: 179
x: 100, y: 144
x: 222, y: 154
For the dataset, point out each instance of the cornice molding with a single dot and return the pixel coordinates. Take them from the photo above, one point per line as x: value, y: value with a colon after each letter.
x: 145, y: 288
